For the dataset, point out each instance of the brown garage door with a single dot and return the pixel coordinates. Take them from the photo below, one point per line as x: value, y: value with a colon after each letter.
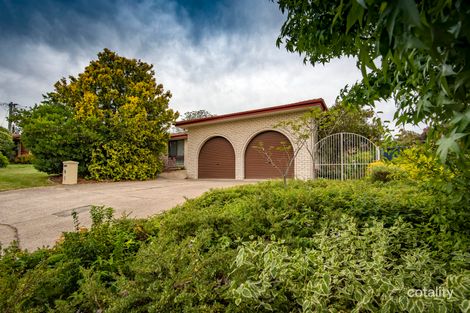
x: 216, y: 159
x: 257, y: 164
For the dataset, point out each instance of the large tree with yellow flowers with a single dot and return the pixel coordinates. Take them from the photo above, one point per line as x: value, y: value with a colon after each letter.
x: 113, y: 118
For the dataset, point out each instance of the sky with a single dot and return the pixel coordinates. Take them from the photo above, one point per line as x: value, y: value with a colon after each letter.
x: 219, y: 56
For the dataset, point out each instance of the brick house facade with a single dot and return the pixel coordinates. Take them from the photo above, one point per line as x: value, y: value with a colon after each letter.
x: 239, y: 129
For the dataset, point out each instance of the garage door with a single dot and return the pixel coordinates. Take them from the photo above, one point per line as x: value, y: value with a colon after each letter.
x: 216, y: 159
x: 257, y: 164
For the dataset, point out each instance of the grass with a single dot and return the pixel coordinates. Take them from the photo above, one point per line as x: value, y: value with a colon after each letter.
x: 16, y: 176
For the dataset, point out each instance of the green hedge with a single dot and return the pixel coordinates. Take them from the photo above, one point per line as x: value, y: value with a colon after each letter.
x: 314, y: 246
x: 3, y: 161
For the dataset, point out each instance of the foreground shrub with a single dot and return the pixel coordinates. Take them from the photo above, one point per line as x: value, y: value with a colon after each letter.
x: 339, y: 246
x: 45, y: 278
x: 349, y: 268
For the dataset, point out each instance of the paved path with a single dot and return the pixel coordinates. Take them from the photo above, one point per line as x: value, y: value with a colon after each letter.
x: 38, y: 216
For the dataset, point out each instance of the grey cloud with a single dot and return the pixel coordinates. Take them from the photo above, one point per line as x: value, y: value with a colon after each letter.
x: 224, y: 64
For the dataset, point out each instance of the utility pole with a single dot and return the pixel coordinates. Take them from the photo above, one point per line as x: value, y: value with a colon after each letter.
x: 11, y: 110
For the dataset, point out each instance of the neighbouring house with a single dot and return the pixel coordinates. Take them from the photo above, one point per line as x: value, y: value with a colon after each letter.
x: 227, y: 146
x: 20, y: 149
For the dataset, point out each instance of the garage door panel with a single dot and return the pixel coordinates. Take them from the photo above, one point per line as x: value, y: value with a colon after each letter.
x: 257, y: 165
x: 216, y: 159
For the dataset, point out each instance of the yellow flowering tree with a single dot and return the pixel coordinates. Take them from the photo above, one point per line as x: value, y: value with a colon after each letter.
x: 120, y: 116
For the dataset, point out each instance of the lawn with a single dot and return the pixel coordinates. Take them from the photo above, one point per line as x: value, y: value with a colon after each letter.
x: 16, y: 176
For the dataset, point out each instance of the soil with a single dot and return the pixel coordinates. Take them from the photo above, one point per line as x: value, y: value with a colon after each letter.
x: 58, y: 180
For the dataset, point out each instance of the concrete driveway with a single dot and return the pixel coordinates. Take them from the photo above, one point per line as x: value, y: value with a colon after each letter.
x: 38, y: 216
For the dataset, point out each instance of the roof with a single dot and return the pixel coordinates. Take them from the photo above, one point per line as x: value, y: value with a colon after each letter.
x: 268, y: 110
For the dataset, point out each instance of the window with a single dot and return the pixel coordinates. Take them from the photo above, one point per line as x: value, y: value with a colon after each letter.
x: 176, y: 151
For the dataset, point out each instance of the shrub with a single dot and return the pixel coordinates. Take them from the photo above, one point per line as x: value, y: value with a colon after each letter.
x: 421, y: 164
x: 384, y: 171
x: 3, y: 161
x: 6, y: 142
x: 351, y: 268
x: 321, y: 245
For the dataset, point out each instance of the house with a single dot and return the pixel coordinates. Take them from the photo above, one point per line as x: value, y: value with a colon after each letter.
x: 228, y: 146
x: 20, y: 149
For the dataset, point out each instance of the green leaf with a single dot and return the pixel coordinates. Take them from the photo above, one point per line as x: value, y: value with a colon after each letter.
x: 390, y: 22
x: 449, y: 143
x: 465, y: 306
x: 410, y: 10
x: 354, y: 15
x: 362, y: 3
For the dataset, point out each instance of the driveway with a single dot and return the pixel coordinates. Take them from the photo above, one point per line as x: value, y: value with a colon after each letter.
x: 38, y: 216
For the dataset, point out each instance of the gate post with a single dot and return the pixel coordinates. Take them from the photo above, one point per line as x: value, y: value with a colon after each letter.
x: 342, y: 161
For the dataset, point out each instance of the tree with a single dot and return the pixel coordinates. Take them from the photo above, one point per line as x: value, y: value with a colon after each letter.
x: 415, y: 52
x: 191, y: 115
x: 6, y: 142
x: 113, y: 118
x: 407, y: 138
x: 343, y: 118
x: 53, y: 135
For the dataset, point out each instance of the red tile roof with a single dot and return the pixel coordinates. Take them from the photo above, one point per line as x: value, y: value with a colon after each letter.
x: 279, y: 108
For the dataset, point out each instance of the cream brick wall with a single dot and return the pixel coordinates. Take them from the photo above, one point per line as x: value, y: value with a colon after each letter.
x: 239, y: 133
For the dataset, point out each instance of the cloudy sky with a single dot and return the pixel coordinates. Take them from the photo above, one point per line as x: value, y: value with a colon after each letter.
x: 215, y: 55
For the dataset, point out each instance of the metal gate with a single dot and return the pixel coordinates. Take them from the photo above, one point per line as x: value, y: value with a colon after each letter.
x: 344, y: 156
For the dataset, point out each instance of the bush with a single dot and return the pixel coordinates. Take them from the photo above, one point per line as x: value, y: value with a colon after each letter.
x: 3, y: 161
x: 6, y: 142
x: 322, y: 245
x: 384, y: 171
x: 351, y: 268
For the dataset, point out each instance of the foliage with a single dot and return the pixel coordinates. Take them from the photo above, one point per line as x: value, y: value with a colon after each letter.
x: 113, y: 119
x: 339, y: 118
x: 421, y: 165
x: 6, y: 142
x: 408, y: 138
x: 416, y: 52
x: 416, y: 164
x: 53, y: 135
x: 191, y: 115
x: 17, y: 176
x: 85, y: 259
x: 342, y: 274
x: 342, y: 244
x: 3, y: 161
x: 384, y: 172
x: 342, y: 118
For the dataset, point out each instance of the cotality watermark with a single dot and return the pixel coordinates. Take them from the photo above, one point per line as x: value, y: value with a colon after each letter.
x: 439, y: 292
